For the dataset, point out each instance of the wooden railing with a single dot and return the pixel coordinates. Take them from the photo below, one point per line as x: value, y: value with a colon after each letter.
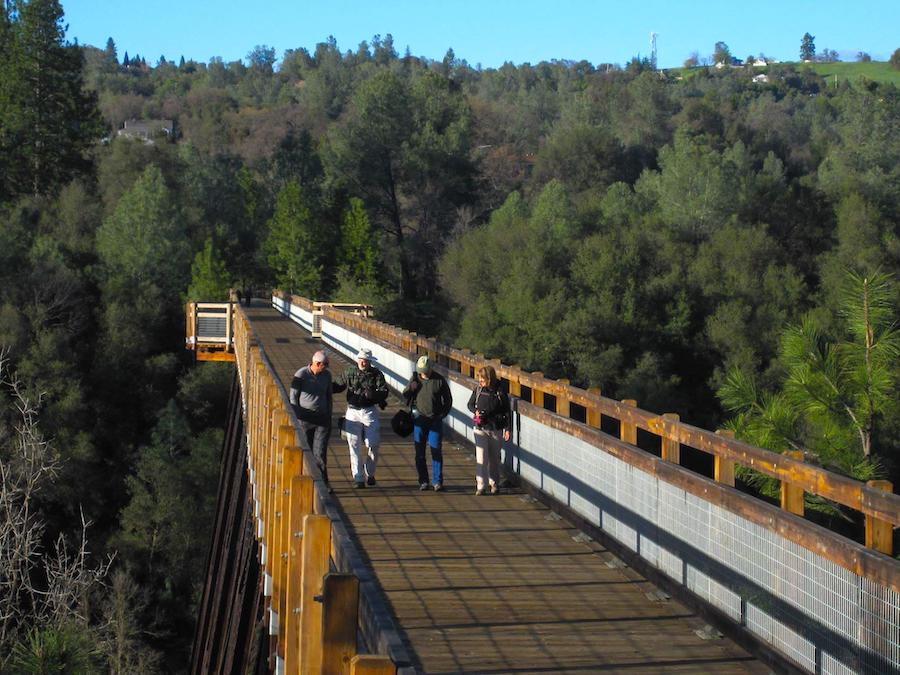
x: 313, y: 615
x: 875, y: 499
x: 209, y: 330
x: 318, y: 311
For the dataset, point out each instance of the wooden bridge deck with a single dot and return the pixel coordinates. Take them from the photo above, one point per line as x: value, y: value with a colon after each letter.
x: 496, y: 584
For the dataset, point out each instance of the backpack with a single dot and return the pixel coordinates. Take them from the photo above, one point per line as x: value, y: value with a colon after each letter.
x: 402, y: 423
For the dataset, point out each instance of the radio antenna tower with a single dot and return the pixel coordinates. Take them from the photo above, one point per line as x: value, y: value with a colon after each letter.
x: 653, y: 50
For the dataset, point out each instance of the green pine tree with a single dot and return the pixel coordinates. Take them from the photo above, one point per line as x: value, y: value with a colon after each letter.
x: 836, y: 389
x: 210, y: 280
x: 48, y: 122
x: 293, y: 246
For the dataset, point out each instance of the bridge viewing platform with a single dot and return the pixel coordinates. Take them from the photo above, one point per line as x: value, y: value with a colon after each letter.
x: 600, y: 557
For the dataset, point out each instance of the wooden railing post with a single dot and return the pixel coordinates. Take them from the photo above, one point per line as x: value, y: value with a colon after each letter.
x: 563, y: 405
x: 340, y: 610
x: 537, y: 396
x: 268, y: 450
x: 316, y: 557
x: 284, y: 439
x: 290, y: 469
x: 515, y: 385
x: 671, y: 448
x: 300, y: 505
x: 465, y: 363
x: 724, y: 468
x: 628, y: 431
x: 229, y: 327
x: 372, y: 664
x: 593, y: 414
x: 880, y: 534
x: 190, y: 328
x: 792, y: 495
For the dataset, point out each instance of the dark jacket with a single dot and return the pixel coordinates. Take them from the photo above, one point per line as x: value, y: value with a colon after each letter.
x: 494, y: 406
x: 364, y: 387
x: 430, y: 397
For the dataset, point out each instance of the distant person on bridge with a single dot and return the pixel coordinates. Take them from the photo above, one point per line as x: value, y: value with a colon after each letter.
x: 429, y: 396
x: 490, y: 409
x: 366, y: 389
x: 312, y: 401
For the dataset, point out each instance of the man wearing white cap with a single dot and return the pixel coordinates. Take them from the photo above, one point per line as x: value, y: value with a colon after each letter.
x: 366, y: 389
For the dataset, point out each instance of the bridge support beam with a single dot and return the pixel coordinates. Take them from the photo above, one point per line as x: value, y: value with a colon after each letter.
x: 792, y: 495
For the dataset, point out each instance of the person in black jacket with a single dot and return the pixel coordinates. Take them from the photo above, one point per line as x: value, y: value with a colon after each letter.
x: 366, y: 390
x: 491, y: 417
x: 429, y: 396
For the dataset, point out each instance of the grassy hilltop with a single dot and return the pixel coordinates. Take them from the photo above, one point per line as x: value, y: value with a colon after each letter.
x: 878, y: 71
x: 838, y: 71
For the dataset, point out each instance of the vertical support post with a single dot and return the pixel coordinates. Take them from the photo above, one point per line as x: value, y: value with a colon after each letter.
x: 340, y: 610
x: 628, y: 431
x: 372, y: 664
x: 880, y: 533
x: 267, y: 469
x: 792, y: 495
x: 515, y: 386
x: 671, y: 448
x: 724, y: 468
x: 563, y: 404
x: 316, y: 557
x: 465, y: 363
x: 290, y: 470
x: 537, y: 396
x: 229, y: 327
x: 283, y: 442
x: 189, y: 329
x: 300, y: 500
x: 593, y: 412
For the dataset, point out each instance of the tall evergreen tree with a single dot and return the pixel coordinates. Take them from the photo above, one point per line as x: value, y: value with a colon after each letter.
x: 807, y: 47
x: 293, y: 243
x: 48, y: 122
x: 209, y: 277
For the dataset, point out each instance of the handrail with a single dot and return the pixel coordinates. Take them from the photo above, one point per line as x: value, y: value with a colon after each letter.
x: 314, y: 613
x: 875, y: 500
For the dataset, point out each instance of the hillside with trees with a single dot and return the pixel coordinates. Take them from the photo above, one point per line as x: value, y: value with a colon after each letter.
x: 711, y: 245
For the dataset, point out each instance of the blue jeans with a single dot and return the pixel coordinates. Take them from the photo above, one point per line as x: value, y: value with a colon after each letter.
x: 431, y: 428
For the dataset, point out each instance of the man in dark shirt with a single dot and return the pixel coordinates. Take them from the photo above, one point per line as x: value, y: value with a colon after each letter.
x: 429, y: 395
x: 312, y: 401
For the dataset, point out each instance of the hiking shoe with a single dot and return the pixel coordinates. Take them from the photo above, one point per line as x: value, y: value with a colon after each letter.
x: 438, y: 487
x: 370, y: 480
x: 358, y: 484
x: 423, y: 487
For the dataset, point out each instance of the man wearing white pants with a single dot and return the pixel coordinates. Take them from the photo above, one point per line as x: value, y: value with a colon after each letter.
x: 366, y: 392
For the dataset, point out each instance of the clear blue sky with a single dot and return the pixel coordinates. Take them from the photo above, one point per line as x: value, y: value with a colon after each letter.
x: 490, y: 32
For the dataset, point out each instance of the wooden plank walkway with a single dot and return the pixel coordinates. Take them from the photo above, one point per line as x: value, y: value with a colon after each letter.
x: 495, y: 584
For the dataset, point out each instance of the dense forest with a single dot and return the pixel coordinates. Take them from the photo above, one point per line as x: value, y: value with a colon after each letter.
x: 702, y: 241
